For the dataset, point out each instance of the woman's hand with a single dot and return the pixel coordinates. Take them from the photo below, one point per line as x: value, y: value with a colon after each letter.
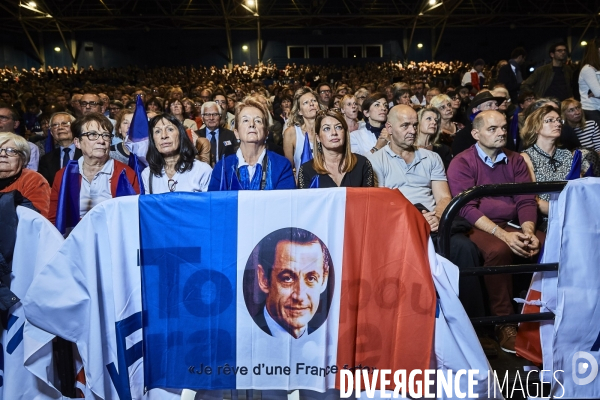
x: 383, y: 140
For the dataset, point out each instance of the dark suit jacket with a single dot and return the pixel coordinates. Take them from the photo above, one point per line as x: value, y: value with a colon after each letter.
x: 225, y: 135
x: 50, y: 163
x: 509, y: 79
x: 260, y: 320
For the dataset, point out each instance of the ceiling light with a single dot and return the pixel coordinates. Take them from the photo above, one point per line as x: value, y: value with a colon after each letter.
x: 583, y: 43
x: 250, y: 3
x: 420, y: 45
x: 32, y: 4
x: 432, y: 2
x: 57, y: 49
x: 244, y: 47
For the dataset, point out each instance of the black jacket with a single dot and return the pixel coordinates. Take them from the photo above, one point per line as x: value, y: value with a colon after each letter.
x: 227, y: 143
x: 50, y: 163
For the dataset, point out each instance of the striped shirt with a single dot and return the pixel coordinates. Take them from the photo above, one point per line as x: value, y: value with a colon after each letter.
x: 590, y: 135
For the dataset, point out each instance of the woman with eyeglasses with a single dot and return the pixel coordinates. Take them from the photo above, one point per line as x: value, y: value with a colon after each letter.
x: 171, y: 163
x: 545, y: 160
x: 299, y: 137
x: 175, y: 107
x: 334, y: 164
x: 373, y: 136
x: 14, y: 156
x: 98, y: 173
x: 446, y: 106
x: 587, y: 130
x: 252, y: 167
x: 429, y: 133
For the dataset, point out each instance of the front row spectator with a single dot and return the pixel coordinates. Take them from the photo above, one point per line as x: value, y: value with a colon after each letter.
x: 14, y: 156
x: 488, y: 162
x: 252, y: 167
x: 334, y: 165
x: 419, y: 174
x: 172, y: 166
x: 98, y: 173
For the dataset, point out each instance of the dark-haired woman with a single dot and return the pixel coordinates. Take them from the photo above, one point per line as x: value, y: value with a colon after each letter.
x: 175, y: 107
x: 171, y: 163
x: 334, y: 164
x: 373, y: 136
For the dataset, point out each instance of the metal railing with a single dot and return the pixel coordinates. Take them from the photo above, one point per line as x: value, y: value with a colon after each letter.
x: 507, y: 189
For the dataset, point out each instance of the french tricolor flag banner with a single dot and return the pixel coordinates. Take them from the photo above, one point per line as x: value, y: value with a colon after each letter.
x: 282, y: 289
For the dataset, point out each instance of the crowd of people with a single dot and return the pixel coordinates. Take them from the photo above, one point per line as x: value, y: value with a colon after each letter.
x: 430, y: 130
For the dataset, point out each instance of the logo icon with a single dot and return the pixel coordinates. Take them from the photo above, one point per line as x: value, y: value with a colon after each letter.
x: 580, y: 368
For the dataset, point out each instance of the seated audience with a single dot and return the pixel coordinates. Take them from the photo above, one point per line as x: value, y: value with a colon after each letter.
x: 60, y: 129
x: 489, y: 162
x: 252, y: 167
x: 373, y: 136
x: 429, y: 133
x: 99, y: 174
x: 172, y: 166
x: 587, y: 131
x: 14, y: 155
x: 334, y: 164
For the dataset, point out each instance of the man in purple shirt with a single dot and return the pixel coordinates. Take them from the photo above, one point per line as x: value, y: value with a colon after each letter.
x: 487, y: 162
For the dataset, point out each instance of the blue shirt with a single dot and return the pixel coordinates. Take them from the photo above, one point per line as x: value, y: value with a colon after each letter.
x: 500, y: 158
x: 209, y: 137
x: 71, y: 153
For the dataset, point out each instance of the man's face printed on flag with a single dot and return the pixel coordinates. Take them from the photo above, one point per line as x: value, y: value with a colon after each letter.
x: 295, y: 284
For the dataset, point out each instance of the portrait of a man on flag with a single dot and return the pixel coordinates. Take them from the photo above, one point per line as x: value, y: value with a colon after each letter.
x: 292, y: 274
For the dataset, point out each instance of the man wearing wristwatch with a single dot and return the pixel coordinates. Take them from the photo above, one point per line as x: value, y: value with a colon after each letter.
x: 488, y: 162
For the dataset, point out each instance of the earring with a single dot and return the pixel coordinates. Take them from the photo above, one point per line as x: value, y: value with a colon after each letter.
x: 320, y: 147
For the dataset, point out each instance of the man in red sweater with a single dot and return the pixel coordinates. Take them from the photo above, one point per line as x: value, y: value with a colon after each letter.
x: 488, y: 162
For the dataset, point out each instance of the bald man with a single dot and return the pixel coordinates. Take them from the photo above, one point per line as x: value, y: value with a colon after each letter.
x: 489, y: 162
x: 419, y: 174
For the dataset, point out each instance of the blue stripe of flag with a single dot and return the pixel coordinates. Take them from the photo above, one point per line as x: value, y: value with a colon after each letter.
x: 189, y: 288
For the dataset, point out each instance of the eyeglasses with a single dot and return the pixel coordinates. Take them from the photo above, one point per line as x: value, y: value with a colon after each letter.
x: 93, y: 136
x: 324, y: 91
x: 553, y: 120
x: 172, y: 184
x: 211, y: 115
x: 10, y: 152
x: 64, y: 124
x: 88, y: 103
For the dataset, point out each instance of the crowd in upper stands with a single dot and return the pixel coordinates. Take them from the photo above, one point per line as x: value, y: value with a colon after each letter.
x: 429, y: 129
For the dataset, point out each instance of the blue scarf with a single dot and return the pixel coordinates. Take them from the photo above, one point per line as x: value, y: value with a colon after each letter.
x: 376, y: 131
x: 244, y: 182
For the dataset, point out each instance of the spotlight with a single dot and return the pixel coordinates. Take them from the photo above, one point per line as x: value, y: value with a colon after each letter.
x: 531, y: 69
x: 32, y: 4
x: 420, y: 45
x: 583, y: 43
x: 57, y: 49
x: 245, y: 48
x: 432, y: 2
x: 250, y: 3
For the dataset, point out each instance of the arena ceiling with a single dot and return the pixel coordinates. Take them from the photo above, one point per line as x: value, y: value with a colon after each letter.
x: 80, y: 15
